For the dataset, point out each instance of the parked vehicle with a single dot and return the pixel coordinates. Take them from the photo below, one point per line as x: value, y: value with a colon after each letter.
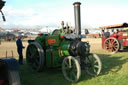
x: 118, y: 38
x: 63, y: 49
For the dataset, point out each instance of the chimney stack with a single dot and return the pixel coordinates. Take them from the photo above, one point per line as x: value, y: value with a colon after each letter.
x: 77, y: 17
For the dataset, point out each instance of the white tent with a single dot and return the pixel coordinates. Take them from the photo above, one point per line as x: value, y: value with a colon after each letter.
x: 48, y: 29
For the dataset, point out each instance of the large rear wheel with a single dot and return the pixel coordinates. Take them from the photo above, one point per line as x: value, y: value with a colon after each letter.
x: 35, y: 56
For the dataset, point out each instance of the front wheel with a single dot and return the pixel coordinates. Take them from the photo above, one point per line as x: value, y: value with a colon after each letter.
x: 71, y: 69
x: 93, y: 64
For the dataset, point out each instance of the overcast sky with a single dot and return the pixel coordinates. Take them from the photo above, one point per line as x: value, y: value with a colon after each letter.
x: 34, y: 13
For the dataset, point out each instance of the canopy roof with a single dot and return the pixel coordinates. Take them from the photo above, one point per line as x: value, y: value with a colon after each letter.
x: 115, y: 26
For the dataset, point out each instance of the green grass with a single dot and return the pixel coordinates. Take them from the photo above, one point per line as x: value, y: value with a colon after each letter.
x: 114, y: 72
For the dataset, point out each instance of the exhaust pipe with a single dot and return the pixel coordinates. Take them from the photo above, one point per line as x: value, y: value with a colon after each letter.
x: 77, y: 17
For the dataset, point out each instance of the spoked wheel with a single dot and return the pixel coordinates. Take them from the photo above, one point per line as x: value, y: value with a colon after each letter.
x: 35, y: 56
x: 111, y: 45
x: 71, y: 69
x: 93, y: 65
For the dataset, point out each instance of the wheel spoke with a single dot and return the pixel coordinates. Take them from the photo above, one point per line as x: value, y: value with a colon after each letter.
x: 66, y: 63
x: 96, y: 66
x: 69, y: 61
x: 74, y: 75
x: 29, y: 55
x: 95, y: 71
x: 37, y: 61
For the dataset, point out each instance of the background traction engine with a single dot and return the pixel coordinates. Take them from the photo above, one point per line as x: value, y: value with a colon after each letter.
x: 118, y: 38
x: 65, y: 49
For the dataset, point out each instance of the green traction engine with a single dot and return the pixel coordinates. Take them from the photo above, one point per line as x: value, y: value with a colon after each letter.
x: 63, y: 49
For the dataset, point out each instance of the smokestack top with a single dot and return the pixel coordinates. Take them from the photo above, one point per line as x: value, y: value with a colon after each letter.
x: 76, y: 3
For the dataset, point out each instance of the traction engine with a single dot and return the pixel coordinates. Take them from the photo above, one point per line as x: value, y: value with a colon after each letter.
x: 63, y: 49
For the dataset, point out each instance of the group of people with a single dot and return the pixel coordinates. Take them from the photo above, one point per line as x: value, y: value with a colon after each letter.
x: 107, y: 33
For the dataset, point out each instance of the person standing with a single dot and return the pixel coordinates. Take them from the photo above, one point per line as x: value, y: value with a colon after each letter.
x: 107, y: 34
x: 20, y: 49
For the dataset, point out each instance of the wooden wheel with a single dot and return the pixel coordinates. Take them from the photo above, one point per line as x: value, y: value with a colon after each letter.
x: 71, y: 69
x: 35, y: 56
x: 111, y: 45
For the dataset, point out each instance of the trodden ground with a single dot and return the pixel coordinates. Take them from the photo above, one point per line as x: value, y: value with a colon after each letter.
x: 114, y: 68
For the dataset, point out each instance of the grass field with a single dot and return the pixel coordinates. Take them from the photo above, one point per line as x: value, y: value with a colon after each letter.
x: 114, y: 68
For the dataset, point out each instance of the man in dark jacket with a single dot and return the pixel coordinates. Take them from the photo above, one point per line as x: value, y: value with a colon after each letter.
x: 19, y: 49
x: 107, y: 34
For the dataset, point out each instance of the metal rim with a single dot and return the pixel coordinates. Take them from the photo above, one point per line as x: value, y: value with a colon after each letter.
x: 111, y: 45
x: 71, y: 69
x: 35, y: 56
x: 94, y: 65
